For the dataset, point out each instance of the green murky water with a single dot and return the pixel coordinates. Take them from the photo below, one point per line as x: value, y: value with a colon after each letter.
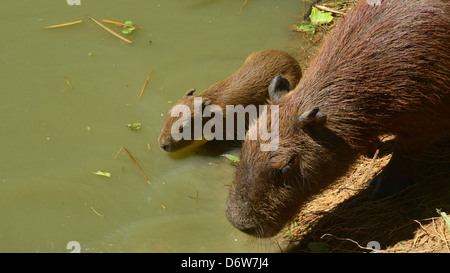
x: 53, y: 136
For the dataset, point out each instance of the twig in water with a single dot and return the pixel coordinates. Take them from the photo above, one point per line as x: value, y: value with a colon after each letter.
x: 96, y: 212
x: 111, y: 31
x: 65, y: 24
x: 121, y: 148
x: 117, y: 23
x: 135, y: 162
x: 242, y: 8
x: 145, y: 84
x: 67, y: 80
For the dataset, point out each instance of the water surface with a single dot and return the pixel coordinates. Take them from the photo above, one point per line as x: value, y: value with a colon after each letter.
x: 54, y: 136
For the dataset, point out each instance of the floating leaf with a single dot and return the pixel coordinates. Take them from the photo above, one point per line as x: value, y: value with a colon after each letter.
x: 102, y: 173
x: 134, y: 126
x: 305, y: 28
x: 127, y: 29
x: 446, y: 218
x: 318, y: 17
x: 232, y: 158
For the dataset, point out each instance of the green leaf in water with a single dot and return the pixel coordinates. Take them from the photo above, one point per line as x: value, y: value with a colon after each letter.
x: 446, y: 218
x: 127, y: 29
x: 232, y: 158
x: 102, y: 173
x: 318, y: 17
x: 135, y: 126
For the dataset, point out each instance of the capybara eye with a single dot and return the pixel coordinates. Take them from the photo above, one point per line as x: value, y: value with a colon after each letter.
x: 288, y: 166
x: 278, y: 172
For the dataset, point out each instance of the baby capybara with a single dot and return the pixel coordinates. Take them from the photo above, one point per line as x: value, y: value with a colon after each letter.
x: 248, y: 85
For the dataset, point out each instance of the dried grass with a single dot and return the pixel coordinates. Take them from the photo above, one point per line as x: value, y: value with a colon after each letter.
x: 344, y: 217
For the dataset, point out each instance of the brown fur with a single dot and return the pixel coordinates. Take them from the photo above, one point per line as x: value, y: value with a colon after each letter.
x: 382, y: 70
x: 248, y: 85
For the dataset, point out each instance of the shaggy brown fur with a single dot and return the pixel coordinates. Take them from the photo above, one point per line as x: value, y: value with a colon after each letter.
x: 382, y: 70
x: 246, y: 86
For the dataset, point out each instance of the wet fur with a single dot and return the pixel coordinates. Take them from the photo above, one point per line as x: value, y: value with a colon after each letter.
x: 382, y: 70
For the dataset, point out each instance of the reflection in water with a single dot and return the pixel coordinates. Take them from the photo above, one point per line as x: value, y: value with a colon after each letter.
x: 55, y: 135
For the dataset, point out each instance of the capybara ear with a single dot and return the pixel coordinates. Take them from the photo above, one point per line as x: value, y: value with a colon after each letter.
x: 278, y: 88
x: 312, y: 117
x: 206, y: 102
x: 190, y: 92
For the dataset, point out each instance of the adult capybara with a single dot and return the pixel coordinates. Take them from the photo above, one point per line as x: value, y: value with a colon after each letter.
x: 384, y: 69
x: 246, y: 86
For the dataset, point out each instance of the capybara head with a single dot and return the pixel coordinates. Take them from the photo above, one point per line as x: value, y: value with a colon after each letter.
x: 270, y: 186
x: 175, y: 125
x: 247, y: 86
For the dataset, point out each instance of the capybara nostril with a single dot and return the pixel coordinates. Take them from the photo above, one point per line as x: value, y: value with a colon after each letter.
x: 165, y: 147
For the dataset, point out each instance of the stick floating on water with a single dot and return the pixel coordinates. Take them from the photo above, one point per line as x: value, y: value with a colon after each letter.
x: 145, y: 84
x: 117, y: 23
x: 67, y: 80
x: 243, y: 6
x: 117, y: 154
x: 65, y: 24
x: 137, y: 165
x: 96, y: 212
x: 111, y: 31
